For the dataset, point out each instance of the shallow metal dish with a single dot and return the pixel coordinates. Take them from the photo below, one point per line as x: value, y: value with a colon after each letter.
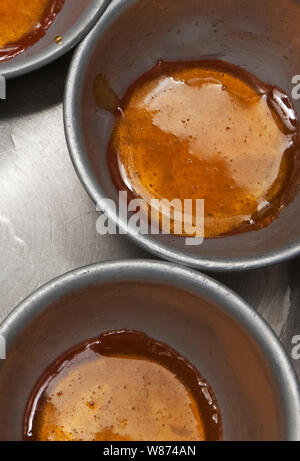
x: 128, y: 40
x: 234, y: 349
x: 73, y: 22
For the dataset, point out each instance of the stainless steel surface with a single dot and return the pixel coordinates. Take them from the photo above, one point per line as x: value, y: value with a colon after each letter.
x: 48, y: 223
x: 73, y: 22
x: 260, y: 43
x: 250, y: 374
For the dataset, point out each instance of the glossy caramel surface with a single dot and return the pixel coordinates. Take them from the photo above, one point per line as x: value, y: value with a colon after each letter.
x: 18, y: 17
x: 121, y: 396
x: 23, y: 22
x: 191, y: 131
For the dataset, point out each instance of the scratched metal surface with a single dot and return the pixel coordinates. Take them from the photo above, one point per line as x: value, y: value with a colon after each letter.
x: 48, y: 223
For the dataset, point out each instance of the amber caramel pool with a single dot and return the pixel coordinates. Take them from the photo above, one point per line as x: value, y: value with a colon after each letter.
x: 24, y: 22
x: 212, y: 131
x: 123, y: 386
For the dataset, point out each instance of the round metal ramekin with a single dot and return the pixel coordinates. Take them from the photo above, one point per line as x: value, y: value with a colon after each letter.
x: 231, y: 345
x: 74, y: 21
x: 169, y: 30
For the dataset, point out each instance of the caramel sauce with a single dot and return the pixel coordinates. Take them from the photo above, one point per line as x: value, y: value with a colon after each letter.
x: 23, y: 23
x: 206, y: 130
x: 123, y: 386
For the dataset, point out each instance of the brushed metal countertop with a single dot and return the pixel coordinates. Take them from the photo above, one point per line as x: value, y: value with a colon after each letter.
x: 48, y: 223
